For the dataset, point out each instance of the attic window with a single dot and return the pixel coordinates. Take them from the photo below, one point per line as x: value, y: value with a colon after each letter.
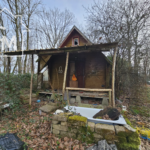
x: 76, y: 41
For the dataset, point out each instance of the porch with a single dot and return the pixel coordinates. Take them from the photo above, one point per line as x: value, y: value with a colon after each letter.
x: 45, y: 55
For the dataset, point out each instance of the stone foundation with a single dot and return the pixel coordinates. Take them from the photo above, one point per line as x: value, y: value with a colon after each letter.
x: 77, y: 127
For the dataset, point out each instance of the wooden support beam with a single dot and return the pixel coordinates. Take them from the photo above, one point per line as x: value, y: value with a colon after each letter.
x: 113, y: 77
x: 110, y: 103
x: 68, y: 97
x: 87, y: 89
x: 65, y: 73
x: 32, y: 67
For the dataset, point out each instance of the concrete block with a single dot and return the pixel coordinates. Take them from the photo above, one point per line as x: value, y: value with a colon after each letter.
x: 55, y: 122
x: 63, y: 133
x: 52, y: 96
x: 56, y: 131
x: 71, y: 135
x: 119, y: 129
x: 57, y: 127
x: 105, y: 101
x: 55, y: 117
x: 73, y: 130
x: 98, y: 136
x: 62, y: 118
x: 72, y: 100
x: 78, y: 99
x: 104, y: 129
x: 64, y: 123
x: 92, y: 126
x: 63, y: 128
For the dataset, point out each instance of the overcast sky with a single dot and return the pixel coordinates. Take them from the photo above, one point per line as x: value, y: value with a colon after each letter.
x: 75, y: 6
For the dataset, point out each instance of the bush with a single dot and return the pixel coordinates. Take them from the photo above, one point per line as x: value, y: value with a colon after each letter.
x: 10, y: 86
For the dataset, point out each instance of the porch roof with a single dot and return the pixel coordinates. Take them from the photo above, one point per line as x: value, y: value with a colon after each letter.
x: 54, y: 51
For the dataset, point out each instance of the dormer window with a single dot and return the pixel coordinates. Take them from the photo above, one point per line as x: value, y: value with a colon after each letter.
x: 75, y: 41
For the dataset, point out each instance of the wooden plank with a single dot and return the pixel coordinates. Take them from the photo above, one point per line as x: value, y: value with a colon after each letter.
x: 68, y: 97
x: 99, y: 47
x: 43, y: 61
x: 113, y: 77
x: 30, y: 100
x: 87, y: 89
x: 91, y: 95
x: 65, y: 73
x: 110, y: 103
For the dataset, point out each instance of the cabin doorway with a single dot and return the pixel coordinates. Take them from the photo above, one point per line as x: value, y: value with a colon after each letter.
x: 77, y: 68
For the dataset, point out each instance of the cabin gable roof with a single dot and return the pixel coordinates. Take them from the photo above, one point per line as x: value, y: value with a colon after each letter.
x: 75, y: 32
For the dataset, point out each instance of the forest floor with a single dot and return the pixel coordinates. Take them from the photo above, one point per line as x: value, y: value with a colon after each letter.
x: 35, y: 129
x: 138, y: 114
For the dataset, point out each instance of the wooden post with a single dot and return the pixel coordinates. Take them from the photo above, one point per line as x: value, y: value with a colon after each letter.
x: 65, y: 73
x: 32, y: 67
x: 68, y: 97
x: 113, y: 77
x: 110, y: 103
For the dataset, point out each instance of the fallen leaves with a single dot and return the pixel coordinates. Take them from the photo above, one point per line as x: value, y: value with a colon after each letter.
x: 35, y: 131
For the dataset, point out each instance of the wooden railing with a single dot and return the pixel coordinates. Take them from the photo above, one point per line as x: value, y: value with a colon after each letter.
x: 89, y: 90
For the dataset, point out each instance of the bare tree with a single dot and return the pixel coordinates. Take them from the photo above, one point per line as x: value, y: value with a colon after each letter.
x: 126, y: 22
x: 53, y: 26
x: 26, y: 9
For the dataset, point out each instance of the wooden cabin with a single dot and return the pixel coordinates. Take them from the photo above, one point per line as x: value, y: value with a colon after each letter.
x: 76, y: 65
x: 92, y: 69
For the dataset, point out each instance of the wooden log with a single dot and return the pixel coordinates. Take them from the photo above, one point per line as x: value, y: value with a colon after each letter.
x: 68, y: 97
x: 110, y: 103
x: 65, y: 73
x: 113, y: 77
x: 88, y: 89
x: 30, y: 100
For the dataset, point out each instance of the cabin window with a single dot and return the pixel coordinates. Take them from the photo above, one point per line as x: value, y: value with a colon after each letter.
x: 76, y: 41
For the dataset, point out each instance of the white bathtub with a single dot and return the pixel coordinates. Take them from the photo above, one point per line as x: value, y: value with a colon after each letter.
x: 90, y: 112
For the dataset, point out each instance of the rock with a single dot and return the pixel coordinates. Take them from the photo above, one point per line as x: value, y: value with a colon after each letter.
x: 102, y: 145
x: 113, y: 146
x: 47, y: 108
x: 105, y: 102
x: 72, y: 100
x: 129, y: 128
x: 94, y: 147
x: 24, y: 98
x: 78, y: 99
